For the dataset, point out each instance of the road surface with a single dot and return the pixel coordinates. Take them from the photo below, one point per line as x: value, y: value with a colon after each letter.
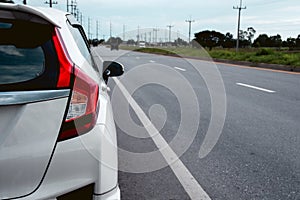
x: 257, y: 155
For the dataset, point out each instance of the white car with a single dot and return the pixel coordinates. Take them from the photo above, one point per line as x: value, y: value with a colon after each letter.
x: 57, y: 132
x: 142, y: 44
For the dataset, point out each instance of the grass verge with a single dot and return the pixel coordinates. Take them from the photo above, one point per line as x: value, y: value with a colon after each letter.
x: 262, y: 55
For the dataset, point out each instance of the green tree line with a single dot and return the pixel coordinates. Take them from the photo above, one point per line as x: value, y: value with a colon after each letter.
x: 210, y: 39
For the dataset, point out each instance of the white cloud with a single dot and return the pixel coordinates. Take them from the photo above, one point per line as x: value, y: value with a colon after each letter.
x: 272, y: 16
x: 290, y: 9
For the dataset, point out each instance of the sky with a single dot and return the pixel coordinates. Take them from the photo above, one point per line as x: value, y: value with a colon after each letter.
x: 141, y: 16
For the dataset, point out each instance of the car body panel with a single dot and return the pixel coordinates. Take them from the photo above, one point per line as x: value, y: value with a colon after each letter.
x: 28, y: 136
x: 33, y: 165
x: 90, y: 164
x: 33, y: 10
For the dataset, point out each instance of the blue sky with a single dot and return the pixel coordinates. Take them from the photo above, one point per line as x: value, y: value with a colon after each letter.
x: 266, y: 16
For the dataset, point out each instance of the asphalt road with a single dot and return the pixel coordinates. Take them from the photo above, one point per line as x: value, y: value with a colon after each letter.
x: 257, y: 155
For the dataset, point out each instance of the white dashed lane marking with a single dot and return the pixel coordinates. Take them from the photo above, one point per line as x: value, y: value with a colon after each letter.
x: 256, y: 88
x: 181, y: 69
x: 188, y: 182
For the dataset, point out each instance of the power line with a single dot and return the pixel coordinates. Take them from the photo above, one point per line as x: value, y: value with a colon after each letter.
x: 240, y: 8
x: 190, y: 21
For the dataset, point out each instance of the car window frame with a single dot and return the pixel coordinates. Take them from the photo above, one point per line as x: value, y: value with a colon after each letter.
x: 72, y: 22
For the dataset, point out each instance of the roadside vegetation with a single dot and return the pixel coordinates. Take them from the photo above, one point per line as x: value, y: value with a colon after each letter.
x: 261, y: 55
x: 255, y: 55
x: 212, y: 44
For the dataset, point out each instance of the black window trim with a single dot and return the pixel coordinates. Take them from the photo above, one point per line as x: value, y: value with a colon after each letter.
x: 74, y: 23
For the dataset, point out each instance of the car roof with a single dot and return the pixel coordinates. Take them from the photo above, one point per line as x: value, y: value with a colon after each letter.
x: 53, y: 16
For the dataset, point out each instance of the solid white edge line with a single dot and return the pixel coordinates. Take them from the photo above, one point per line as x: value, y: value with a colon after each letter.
x: 257, y: 88
x: 181, y: 69
x: 189, y: 183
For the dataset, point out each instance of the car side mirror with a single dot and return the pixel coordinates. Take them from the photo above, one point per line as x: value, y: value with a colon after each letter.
x: 111, y: 69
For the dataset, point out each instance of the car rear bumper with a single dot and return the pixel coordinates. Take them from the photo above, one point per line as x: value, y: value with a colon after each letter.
x: 113, y: 194
x: 75, y: 164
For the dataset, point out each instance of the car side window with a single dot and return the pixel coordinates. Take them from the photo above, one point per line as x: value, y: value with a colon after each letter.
x: 81, y: 43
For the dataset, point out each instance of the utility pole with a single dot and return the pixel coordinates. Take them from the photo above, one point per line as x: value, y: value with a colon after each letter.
x: 138, y: 35
x: 190, y: 21
x: 77, y: 14
x: 240, y: 8
x: 67, y: 5
x: 124, y: 32
x: 75, y: 10
x: 97, y: 29
x: 81, y: 18
x: 89, y: 28
x: 73, y: 7
x: 155, y: 33
x: 51, y: 3
x: 110, y: 29
x: 170, y: 27
x: 153, y: 39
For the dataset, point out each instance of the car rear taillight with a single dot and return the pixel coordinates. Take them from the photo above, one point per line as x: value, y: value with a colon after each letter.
x: 82, y: 110
x: 65, y: 64
x: 83, y: 107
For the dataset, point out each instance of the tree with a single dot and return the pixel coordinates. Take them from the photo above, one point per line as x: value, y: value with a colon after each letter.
x: 244, y: 42
x: 131, y: 42
x: 298, y: 41
x: 250, y: 34
x: 261, y: 40
x: 290, y: 43
x: 180, y: 42
x: 246, y: 37
x: 275, y: 41
x: 229, y: 42
x: 264, y: 40
x: 209, y: 39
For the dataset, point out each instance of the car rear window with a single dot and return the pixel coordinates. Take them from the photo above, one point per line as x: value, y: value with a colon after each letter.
x: 28, y: 60
x: 20, y: 64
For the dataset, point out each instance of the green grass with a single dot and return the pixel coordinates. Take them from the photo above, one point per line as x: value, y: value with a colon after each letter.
x: 175, y: 51
x: 262, y: 55
x: 156, y: 51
